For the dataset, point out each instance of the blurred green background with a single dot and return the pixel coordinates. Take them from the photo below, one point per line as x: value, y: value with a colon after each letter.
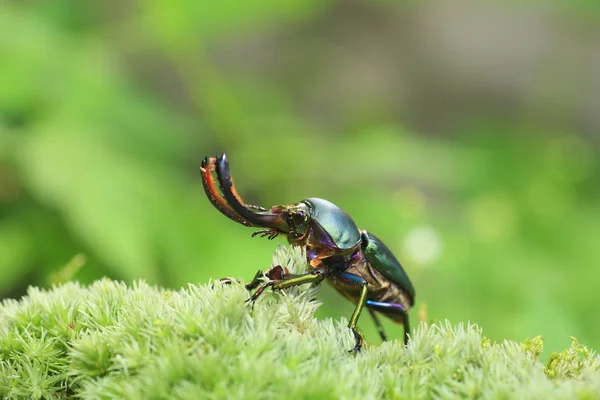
x: 464, y: 134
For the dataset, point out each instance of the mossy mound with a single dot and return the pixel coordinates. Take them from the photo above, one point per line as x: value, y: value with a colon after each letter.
x: 111, y: 341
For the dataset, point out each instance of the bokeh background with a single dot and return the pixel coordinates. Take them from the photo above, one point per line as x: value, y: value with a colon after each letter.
x: 463, y: 133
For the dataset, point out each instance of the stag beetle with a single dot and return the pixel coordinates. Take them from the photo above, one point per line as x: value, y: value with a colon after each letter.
x: 355, y: 262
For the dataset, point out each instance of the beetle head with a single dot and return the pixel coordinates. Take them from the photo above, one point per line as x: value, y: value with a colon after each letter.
x: 292, y: 220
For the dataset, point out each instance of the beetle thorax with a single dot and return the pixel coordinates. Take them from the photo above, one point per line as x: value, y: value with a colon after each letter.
x: 337, y: 226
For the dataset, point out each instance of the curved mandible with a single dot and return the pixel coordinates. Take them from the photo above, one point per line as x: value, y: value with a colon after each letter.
x: 208, y: 182
x: 229, y: 192
x: 267, y: 219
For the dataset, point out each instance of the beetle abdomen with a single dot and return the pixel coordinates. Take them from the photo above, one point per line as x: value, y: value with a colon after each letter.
x: 382, y: 259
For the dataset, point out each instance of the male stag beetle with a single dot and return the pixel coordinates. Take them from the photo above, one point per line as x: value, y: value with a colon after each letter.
x: 356, y: 263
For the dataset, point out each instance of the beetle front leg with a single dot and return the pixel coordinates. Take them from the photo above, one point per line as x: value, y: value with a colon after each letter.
x: 249, y: 286
x: 275, y: 273
x: 288, y: 280
x: 255, y: 281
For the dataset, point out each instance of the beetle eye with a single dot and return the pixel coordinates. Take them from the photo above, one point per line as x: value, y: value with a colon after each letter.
x: 299, y: 218
x: 292, y: 220
x: 296, y: 220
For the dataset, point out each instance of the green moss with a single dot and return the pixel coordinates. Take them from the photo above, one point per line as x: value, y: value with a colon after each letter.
x: 109, y: 341
x: 570, y: 362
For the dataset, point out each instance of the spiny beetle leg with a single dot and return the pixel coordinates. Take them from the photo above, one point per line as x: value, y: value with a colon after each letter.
x: 406, y: 329
x: 287, y: 281
x: 258, y: 292
x: 378, y: 324
x: 255, y: 281
x: 353, y: 281
x: 390, y: 308
x: 249, y: 286
x: 359, y: 341
x: 277, y: 273
x: 271, y: 233
x: 225, y: 281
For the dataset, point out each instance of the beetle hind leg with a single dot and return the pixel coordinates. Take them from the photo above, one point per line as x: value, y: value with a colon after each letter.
x: 391, y: 308
x: 378, y: 324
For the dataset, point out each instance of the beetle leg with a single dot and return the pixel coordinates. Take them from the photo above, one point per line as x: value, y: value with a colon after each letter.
x: 291, y: 280
x: 356, y: 314
x: 378, y: 324
x: 276, y: 273
x: 228, y: 281
x: 253, y: 284
x: 351, y: 280
x: 225, y: 281
x: 249, y: 286
x: 258, y: 292
x: 286, y: 281
x: 392, y: 308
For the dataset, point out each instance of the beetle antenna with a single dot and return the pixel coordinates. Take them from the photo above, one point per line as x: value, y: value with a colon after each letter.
x: 270, y: 233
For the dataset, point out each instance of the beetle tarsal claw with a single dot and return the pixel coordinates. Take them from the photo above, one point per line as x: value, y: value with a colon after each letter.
x: 228, y: 281
x: 252, y: 299
x: 359, y: 341
x: 225, y: 281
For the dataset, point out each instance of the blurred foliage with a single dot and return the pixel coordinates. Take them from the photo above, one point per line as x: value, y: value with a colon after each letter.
x: 106, y: 110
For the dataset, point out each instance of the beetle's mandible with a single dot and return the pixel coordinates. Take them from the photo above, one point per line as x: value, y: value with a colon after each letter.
x: 355, y: 262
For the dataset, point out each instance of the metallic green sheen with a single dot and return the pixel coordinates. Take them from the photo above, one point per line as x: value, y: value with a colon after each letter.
x: 340, y: 227
x: 382, y: 259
